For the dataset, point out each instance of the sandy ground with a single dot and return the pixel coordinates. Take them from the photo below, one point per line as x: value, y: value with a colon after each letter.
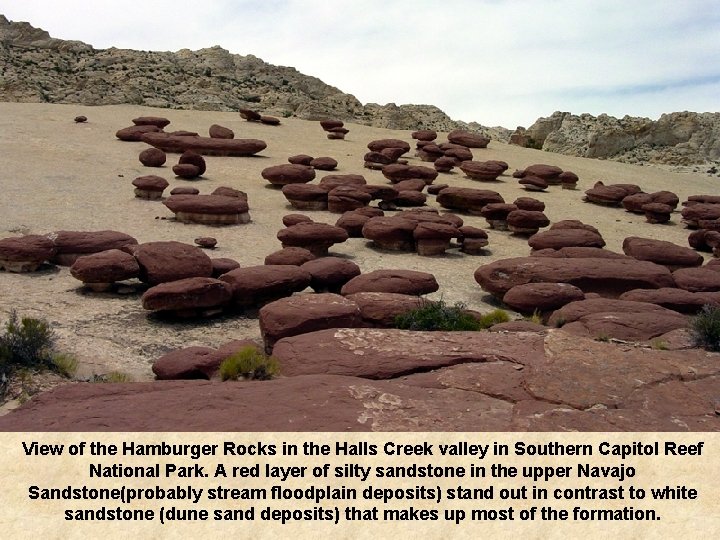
x: 58, y: 175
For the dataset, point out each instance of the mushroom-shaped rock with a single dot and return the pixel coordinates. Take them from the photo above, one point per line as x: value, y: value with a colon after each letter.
x: 220, y: 132
x: 382, y: 192
x: 458, y: 153
x: 331, y: 181
x: 467, y: 199
x: 395, y: 172
x: 295, y: 256
x: 190, y: 157
x: 135, y: 133
x: 381, y: 144
x: 100, y: 270
x: 188, y: 297
x: 150, y: 186
x: 203, y: 145
x: 250, y: 115
x: 549, y: 173
x: 702, y: 279
x: 306, y: 196
x: 379, y: 309
x: 424, y: 135
x: 206, y: 242
x: 152, y: 157
x: 466, y: 138
x: 433, y: 238
x: 324, y: 163
x: 473, y: 240
x: 329, y: 274
x: 391, y: 233
x: 300, y: 159
x: 353, y: 223
x: 619, y: 319
x: 331, y: 124
x: 346, y: 198
x: 161, y: 262
x: 80, y: 119
x: 429, y: 152
x: 256, y: 285
x: 377, y: 158
x: 410, y: 198
x: 484, y: 171
x: 71, y: 244
x: 568, y: 180
x: 209, y: 209
x: 657, y: 212
x: 634, y: 203
x: 280, y: 175
x: 184, y: 190
x: 666, y: 197
x: 293, y: 219
x: 692, y: 215
x: 393, y: 281
x: 560, y: 238
x: 315, y: 237
x: 542, y: 297
x: 496, y: 215
x: 533, y: 183
x: 337, y: 133
x: 306, y: 313
x: 223, y: 265
x: 444, y: 164
x: 661, y: 252
x: 678, y: 300
x: 157, y: 121
x: 526, y: 222
x: 528, y: 203
x: 608, y: 277
x: 25, y: 253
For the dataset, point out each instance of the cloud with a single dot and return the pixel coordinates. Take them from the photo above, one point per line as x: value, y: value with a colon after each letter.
x: 497, y: 62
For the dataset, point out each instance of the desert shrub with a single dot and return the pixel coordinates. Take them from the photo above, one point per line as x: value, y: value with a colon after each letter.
x: 437, y: 316
x: 29, y: 343
x: 536, y: 317
x: 496, y: 316
x: 249, y: 363
x: 112, y: 377
x: 705, y: 328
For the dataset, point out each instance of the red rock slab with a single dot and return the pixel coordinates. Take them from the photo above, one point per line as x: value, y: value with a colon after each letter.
x: 222, y: 265
x: 105, y: 267
x: 281, y: 175
x: 395, y: 172
x: 25, y: 253
x: 293, y: 219
x: 518, y: 326
x: 608, y: 277
x: 331, y: 181
x: 541, y: 296
x: 161, y: 262
x: 468, y: 199
x: 703, y: 279
x: 306, y: 313
x: 469, y: 139
x: 661, y: 252
x: 330, y: 124
x: 528, y: 203
x: 379, y: 309
x: 212, y: 209
x: 255, y: 285
x: 700, y: 212
x: 678, y: 300
x: 290, y: 255
x: 627, y: 326
x: 158, y: 121
x: 187, y: 363
x: 187, y: 294
x: 135, y: 133
x: 353, y: 222
x: 329, y: 274
x: 485, y: 171
x: 560, y: 238
x: 296, y: 404
x: 315, y: 237
x: 324, y: 163
x: 584, y: 373
x: 220, y: 132
x: 204, y: 145
x: 227, y: 191
x: 390, y: 353
x: 71, y: 244
x: 392, y: 281
x: 381, y: 144
x: 300, y: 159
x: 424, y: 135
x: 579, y: 253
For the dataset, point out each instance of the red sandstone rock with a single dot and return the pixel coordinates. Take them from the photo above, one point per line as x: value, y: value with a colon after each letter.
x: 256, y: 285
x: 209, y: 209
x: 161, y: 262
x: 220, y: 132
x: 152, y: 157
x: 392, y: 233
x: 25, y: 253
x: 295, y: 256
x: 329, y: 274
x: 703, y: 279
x: 71, y: 244
x: 135, y: 133
x: 678, y: 300
x: 485, y: 171
x: 379, y: 309
x: 281, y: 175
x: 150, y: 186
x: 528, y: 203
x: 526, y: 222
x: 324, y: 164
x: 381, y: 144
x: 394, y: 281
x: 661, y: 252
x: 560, y: 238
x: 542, y: 297
x: 306, y: 196
x: 300, y: 159
x: 222, y: 265
x: 204, y: 145
x: 466, y: 138
x: 157, y: 121
x: 467, y: 199
x: 315, y: 237
x: 188, y: 296
x: 105, y: 267
x: 396, y: 172
x: 346, y: 198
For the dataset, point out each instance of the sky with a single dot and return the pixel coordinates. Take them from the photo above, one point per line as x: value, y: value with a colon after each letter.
x: 496, y: 62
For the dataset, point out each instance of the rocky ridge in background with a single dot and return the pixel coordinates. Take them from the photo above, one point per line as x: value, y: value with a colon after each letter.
x: 679, y: 138
x: 35, y: 67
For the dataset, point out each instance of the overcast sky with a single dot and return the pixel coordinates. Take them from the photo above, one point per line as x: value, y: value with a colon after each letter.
x: 497, y: 62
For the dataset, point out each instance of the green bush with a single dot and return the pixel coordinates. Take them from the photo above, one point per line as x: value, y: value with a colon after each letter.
x: 437, y: 316
x: 496, y: 316
x: 29, y: 343
x: 249, y: 363
x: 705, y: 328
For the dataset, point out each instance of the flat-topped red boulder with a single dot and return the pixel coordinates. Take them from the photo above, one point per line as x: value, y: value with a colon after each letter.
x: 678, y: 300
x: 256, y: 285
x: 395, y: 172
x: 560, y: 238
x: 542, y: 297
x: 188, y: 297
x: 381, y: 144
x: 71, y: 244
x: 467, y: 199
x: 158, y: 121
x: 204, y: 145
x: 485, y: 171
x: 329, y: 274
x: 100, y: 270
x: 209, y: 209
x: 661, y: 252
x: 25, y: 253
x: 608, y: 277
x: 315, y: 237
x: 390, y: 232
x: 469, y: 139
x: 135, y: 133
x: 150, y: 186
x: 306, y: 196
x: 379, y: 309
x: 290, y: 173
x: 161, y: 262
x: 393, y: 281
x: 295, y: 256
